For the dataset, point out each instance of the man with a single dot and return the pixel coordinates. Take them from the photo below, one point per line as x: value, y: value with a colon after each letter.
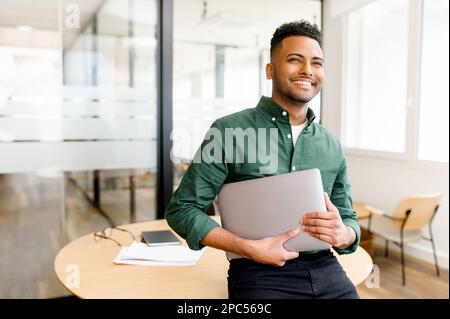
x: 269, y: 270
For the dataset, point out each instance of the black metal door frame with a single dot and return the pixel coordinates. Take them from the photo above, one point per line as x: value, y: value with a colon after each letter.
x: 164, y: 167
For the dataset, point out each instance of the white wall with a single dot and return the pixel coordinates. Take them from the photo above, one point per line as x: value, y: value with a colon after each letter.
x: 380, y: 181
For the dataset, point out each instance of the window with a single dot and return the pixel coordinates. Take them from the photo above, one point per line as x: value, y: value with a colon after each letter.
x: 396, y: 79
x: 376, y: 77
x: 433, y: 119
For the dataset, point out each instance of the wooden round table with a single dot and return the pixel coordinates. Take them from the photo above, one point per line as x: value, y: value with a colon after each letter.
x: 85, y: 267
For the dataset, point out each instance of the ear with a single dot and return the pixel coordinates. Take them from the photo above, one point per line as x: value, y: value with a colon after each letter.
x: 269, y: 71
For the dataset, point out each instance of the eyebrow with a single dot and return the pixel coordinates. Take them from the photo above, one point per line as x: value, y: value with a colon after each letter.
x: 302, y: 56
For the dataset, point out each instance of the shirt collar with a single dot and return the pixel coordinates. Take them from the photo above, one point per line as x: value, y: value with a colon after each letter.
x: 275, y: 111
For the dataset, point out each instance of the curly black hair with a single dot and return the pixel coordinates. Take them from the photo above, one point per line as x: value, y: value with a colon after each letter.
x: 301, y: 27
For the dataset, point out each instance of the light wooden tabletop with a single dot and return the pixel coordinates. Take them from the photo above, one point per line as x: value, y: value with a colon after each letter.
x: 85, y: 267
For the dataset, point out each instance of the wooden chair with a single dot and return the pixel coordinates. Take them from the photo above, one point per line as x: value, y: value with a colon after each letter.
x: 406, y: 223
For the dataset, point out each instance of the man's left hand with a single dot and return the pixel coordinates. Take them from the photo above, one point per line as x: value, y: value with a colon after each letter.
x: 328, y: 226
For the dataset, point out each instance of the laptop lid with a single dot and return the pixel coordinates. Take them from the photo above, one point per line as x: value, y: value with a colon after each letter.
x: 270, y: 206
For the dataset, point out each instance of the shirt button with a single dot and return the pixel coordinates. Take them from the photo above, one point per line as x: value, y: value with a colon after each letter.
x: 293, y: 168
x: 284, y: 113
x: 289, y: 136
x: 273, y: 119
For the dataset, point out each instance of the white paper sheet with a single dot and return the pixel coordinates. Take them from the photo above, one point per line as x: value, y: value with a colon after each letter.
x: 142, y: 254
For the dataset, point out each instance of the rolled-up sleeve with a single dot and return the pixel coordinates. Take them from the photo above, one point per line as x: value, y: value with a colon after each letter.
x: 341, y: 198
x: 202, y: 181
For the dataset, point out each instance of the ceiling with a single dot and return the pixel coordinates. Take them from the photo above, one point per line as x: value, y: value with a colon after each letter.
x: 42, y: 14
x: 232, y: 22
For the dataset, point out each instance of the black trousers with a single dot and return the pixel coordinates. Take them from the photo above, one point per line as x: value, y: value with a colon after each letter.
x: 306, y: 277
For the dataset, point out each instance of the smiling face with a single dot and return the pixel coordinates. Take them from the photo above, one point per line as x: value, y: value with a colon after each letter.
x: 296, y: 70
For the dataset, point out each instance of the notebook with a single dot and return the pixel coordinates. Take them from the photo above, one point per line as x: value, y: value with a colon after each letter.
x: 160, y: 238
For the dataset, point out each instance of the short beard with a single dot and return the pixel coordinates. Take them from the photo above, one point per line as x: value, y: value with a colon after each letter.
x: 303, y: 101
x: 288, y: 95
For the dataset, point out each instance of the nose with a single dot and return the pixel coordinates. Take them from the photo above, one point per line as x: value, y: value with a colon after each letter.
x: 306, y: 69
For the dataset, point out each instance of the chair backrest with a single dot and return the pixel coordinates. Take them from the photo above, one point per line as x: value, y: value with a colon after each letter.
x: 422, y: 209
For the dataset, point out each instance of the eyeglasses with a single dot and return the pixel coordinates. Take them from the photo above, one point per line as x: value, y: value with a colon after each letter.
x: 108, y: 232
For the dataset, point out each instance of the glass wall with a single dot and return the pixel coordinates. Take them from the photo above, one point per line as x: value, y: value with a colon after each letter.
x: 77, y: 129
x: 220, y: 53
x: 78, y: 115
x: 111, y: 64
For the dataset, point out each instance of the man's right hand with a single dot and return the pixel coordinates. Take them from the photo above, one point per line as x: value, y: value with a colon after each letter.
x: 270, y: 250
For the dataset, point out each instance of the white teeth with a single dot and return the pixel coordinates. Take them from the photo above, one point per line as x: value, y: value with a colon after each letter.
x: 302, y: 83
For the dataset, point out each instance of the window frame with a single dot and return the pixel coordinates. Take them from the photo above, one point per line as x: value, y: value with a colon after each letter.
x: 414, y: 63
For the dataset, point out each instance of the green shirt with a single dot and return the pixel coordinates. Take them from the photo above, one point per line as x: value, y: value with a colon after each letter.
x: 316, y: 147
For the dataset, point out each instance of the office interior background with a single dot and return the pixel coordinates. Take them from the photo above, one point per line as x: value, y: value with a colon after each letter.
x: 100, y: 116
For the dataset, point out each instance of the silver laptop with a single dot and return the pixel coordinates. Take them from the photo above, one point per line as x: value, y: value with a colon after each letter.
x: 270, y: 206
